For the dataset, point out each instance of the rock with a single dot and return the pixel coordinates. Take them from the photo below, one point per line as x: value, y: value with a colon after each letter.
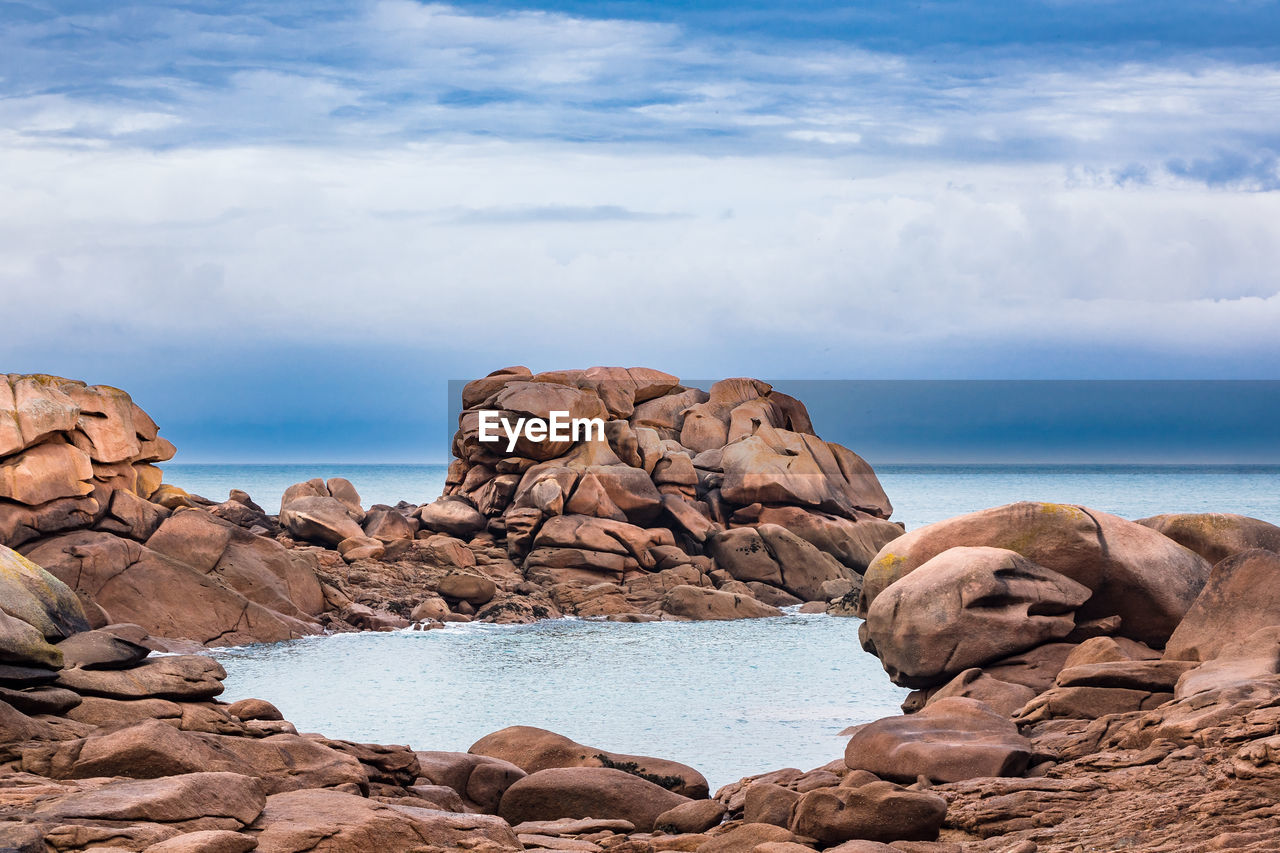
x: 101, y: 649
x: 1255, y: 658
x: 132, y: 516
x: 693, y: 816
x: 1108, y: 649
x: 154, y: 749
x: 967, y: 607
x: 854, y: 543
x: 453, y: 516
x: 319, y: 821
x: 581, y: 792
x: 746, y: 836
x: 387, y: 525
x: 325, y: 520
x: 341, y: 489
x: 1216, y: 535
x: 1145, y: 578
x: 33, y: 408
x: 471, y: 588
x: 361, y: 548
x: 1152, y: 676
x: 772, y: 554
x: 1036, y: 668
x: 777, y: 466
x: 254, y: 709
x: 439, y: 797
x: 22, y: 644
x: 1088, y: 703
x: 1003, y: 697
x: 949, y: 740
x: 1242, y: 596
x: 183, y: 677
x: 430, y: 608
x: 45, y: 473
x: 40, y: 700
x: 170, y: 598
x: 877, y: 811
x: 769, y: 803
x: 173, y: 800
x: 33, y: 595
x: 742, y: 553
x: 699, y: 604
x: 206, y: 841
x: 533, y: 749
x: 481, y: 779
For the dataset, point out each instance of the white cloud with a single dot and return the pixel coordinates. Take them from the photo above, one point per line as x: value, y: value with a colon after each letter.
x: 294, y: 245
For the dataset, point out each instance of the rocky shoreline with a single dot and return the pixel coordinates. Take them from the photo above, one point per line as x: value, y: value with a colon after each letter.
x: 1081, y: 681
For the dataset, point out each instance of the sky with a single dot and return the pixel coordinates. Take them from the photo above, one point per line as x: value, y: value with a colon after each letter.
x: 284, y: 226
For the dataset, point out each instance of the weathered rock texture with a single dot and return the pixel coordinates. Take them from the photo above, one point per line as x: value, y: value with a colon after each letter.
x: 695, y: 505
x: 726, y: 489
x: 81, y: 497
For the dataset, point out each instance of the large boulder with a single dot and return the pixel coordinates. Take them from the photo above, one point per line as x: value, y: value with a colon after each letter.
x: 170, y: 598
x: 876, y: 811
x: 533, y: 749
x: 949, y: 740
x: 320, y: 519
x: 1142, y: 576
x: 698, y: 604
x: 1216, y: 535
x: 579, y: 792
x: 967, y: 607
x: 1241, y: 597
x: 33, y: 595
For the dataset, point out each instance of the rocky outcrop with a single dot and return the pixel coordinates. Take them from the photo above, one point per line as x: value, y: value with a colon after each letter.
x: 81, y: 497
x: 731, y: 484
x: 967, y: 607
x: 66, y: 450
x: 1133, y: 572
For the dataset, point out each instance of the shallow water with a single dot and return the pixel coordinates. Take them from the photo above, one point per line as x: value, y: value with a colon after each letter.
x: 729, y: 698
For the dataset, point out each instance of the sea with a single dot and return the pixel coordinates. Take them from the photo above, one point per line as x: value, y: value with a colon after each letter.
x: 729, y: 698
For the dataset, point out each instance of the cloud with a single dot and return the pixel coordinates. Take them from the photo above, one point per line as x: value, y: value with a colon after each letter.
x: 389, y: 72
x: 483, y: 187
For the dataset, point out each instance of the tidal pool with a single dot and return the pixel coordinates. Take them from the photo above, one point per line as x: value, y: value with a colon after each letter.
x: 729, y: 698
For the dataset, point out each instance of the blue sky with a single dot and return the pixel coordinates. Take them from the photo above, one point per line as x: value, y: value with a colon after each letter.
x: 283, y: 226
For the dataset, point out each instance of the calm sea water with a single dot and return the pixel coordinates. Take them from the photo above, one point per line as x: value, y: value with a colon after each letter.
x: 730, y: 698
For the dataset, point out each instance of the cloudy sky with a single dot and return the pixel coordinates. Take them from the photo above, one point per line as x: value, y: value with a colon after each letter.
x: 284, y: 225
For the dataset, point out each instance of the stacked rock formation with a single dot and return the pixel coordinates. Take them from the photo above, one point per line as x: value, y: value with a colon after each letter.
x: 82, y: 497
x: 73, y: 455
x: 719, y: 504
x: 695, y: 504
